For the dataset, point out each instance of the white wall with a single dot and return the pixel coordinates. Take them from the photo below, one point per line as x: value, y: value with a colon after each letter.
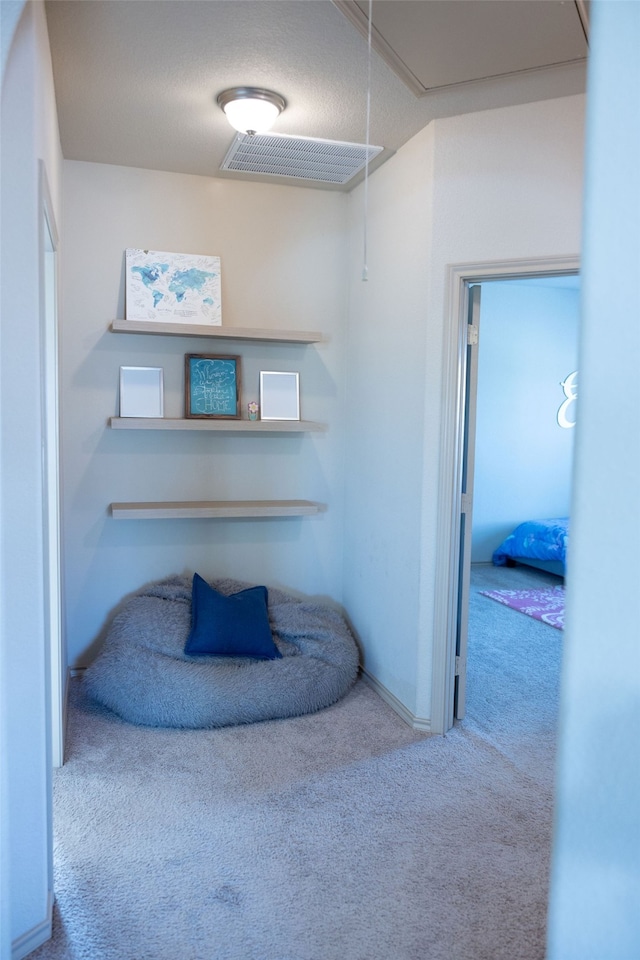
x: 29, y: 132
x: 282, y: 260
x: 388, y: 336
x: 10, y: 13
x: 501, y: 184
x: 596, y: 863
x: 528, y: 346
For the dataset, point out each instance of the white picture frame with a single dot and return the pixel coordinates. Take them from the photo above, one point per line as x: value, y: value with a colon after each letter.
x: 279, y: 395
x: 142, y: 392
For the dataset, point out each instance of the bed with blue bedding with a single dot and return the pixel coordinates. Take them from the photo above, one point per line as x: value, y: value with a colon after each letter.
x: 537, y: 543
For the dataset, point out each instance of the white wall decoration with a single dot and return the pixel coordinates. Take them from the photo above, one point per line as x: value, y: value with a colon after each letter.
x: 566, y: 413
x: 279, y: 395
x: 141, y: 391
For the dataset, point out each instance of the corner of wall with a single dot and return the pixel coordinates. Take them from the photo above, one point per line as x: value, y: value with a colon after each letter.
x: 386, y: 353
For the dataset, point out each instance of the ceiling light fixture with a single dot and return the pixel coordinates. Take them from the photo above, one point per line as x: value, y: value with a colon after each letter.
x: 251, y: 110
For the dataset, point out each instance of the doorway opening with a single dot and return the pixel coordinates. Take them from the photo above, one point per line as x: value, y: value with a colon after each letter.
x: 457, y: 471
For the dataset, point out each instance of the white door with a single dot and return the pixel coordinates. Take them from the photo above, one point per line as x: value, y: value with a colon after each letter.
x: 466, y: 518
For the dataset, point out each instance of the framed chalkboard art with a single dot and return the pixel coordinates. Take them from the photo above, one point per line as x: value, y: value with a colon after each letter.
x: 212, y: 386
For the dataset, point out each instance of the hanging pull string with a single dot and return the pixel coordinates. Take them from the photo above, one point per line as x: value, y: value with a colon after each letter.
x: 365, y: 265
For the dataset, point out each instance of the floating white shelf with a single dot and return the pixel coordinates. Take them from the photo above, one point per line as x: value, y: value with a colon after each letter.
x: 215, y: 508
x: 223, y: 426
x: 212, y: 509
x: 220, y: 333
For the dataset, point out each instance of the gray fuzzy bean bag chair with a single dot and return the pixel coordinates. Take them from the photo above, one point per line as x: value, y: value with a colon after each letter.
x: 144, y: 675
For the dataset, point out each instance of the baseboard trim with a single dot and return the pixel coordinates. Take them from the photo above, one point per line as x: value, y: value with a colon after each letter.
x: 34, y: 938
x: 418, y: 723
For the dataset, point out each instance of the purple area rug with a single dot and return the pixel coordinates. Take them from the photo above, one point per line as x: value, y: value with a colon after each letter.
x: 546, y: 604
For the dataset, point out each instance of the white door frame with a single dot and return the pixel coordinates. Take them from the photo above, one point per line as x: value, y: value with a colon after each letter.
x: 52, y: 564
x: 459, y: 277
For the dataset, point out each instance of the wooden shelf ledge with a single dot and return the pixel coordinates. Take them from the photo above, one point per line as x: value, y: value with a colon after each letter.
x: 214, y: 509
x: 220, y: 333
x: 221, y: 426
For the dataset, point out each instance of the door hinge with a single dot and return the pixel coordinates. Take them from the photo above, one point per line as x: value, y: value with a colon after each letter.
x: 472, y: 334
x: 465, y: 505
x: 457, y: 673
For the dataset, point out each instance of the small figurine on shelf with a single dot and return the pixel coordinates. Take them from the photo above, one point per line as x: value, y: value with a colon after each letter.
x: 253, y: 410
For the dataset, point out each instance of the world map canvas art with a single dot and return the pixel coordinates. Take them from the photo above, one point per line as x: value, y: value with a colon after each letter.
x: 172, y: 287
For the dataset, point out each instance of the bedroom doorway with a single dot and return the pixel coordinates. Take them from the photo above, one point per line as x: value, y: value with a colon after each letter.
x: 457, y: 471
x: 520, y: 418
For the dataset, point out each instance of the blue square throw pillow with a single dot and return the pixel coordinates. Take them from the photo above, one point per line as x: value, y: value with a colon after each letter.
x: 235, y: 626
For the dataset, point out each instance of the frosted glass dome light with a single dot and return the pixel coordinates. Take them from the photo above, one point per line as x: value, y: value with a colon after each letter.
x: 251, y: 110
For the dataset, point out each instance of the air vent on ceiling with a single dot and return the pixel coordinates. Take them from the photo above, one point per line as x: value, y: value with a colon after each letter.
x: 304, y: 158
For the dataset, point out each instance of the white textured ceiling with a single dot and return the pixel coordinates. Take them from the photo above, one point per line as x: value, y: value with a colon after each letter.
x: 136, y: 80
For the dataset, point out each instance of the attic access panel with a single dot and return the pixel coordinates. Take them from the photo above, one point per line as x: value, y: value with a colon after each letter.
x: 303, y: 158
x: 491, y: 39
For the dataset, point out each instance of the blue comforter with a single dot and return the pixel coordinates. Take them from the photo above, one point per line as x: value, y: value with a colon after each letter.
x: 536, y: 540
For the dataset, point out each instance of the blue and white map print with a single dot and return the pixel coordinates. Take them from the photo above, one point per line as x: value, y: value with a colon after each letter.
x: 174, y: 287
